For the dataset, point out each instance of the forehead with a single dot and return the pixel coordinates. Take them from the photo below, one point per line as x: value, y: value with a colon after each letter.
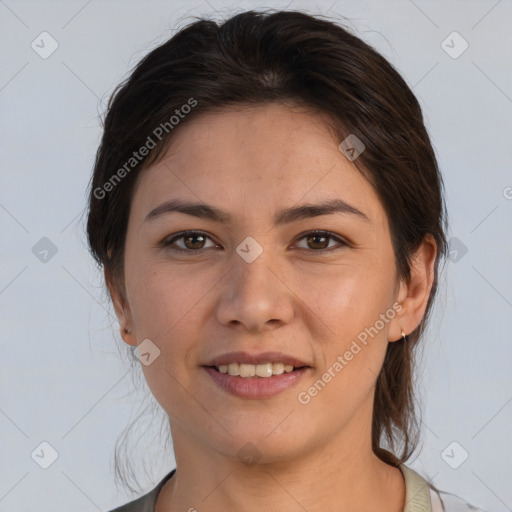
x: 255, y: 159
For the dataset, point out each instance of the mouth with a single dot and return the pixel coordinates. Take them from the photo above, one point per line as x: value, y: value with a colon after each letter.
x: 255, y: 371
x: 255, y: 376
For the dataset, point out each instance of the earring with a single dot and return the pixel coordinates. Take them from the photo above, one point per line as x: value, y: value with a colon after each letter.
x: 403, y: 335
x: 127, y: 331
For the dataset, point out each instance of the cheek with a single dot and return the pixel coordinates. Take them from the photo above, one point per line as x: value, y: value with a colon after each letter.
x: 351, y: 306
x: 165, y: 308
x: 161, y: 298
x: 348, y: 310
x: 168, y: 318
x: 346, y: 299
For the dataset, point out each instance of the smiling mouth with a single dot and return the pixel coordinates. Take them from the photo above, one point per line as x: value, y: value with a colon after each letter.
x: 264, y: 370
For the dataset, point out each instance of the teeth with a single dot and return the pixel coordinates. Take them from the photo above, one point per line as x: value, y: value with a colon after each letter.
x: 234, y: 369
x: 247, y: 370
x: 255, y: 370
x: 277, y: 368
x: 264, y: 370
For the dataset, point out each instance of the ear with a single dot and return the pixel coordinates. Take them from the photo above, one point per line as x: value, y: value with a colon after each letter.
x: 122, y: 309
x: 414, y: 296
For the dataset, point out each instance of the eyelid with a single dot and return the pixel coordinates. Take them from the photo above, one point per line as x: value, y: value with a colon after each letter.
x: 168, y: 241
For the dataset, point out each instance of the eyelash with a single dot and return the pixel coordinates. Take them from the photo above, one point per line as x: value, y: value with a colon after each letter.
x: 168, y: 242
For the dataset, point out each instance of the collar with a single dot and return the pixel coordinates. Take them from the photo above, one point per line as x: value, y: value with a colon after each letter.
x: 417, y: 492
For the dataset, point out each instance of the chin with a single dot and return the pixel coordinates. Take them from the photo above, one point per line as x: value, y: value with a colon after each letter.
x: 255, y: 446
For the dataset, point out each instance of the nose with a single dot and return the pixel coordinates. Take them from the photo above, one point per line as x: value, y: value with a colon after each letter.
x: 255, y: 296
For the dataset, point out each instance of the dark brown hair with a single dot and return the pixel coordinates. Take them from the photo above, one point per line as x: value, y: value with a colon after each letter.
x: 285, y: 56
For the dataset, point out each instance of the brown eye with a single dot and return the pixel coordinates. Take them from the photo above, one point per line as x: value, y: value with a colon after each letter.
x: 192, y: 241
x: 319, y: 241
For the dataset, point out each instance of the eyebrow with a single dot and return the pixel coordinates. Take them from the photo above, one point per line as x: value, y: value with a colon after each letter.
x: 285, y: 216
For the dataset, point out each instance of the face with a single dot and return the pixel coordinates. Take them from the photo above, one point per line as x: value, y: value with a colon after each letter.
x: 254, y: 277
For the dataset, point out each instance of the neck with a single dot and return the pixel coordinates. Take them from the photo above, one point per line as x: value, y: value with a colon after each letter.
x: 339, y: 472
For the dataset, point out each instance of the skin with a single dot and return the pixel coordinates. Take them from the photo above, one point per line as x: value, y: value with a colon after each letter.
x: 295, y: 298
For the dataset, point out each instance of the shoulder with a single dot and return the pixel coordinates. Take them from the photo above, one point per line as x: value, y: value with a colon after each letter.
x: 145, y: 503
x: 447, y: 502
x: 425, y: 497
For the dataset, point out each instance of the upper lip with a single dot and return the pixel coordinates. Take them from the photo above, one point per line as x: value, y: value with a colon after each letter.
x: 261, y: 358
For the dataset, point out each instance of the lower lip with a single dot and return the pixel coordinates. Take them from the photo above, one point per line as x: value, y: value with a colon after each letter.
x: 256, y: 387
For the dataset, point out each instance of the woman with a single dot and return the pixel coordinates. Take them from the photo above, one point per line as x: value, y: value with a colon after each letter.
x: 269, y: 214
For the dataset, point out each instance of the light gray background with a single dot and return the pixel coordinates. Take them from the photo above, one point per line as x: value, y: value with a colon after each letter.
x: 62, y: 380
